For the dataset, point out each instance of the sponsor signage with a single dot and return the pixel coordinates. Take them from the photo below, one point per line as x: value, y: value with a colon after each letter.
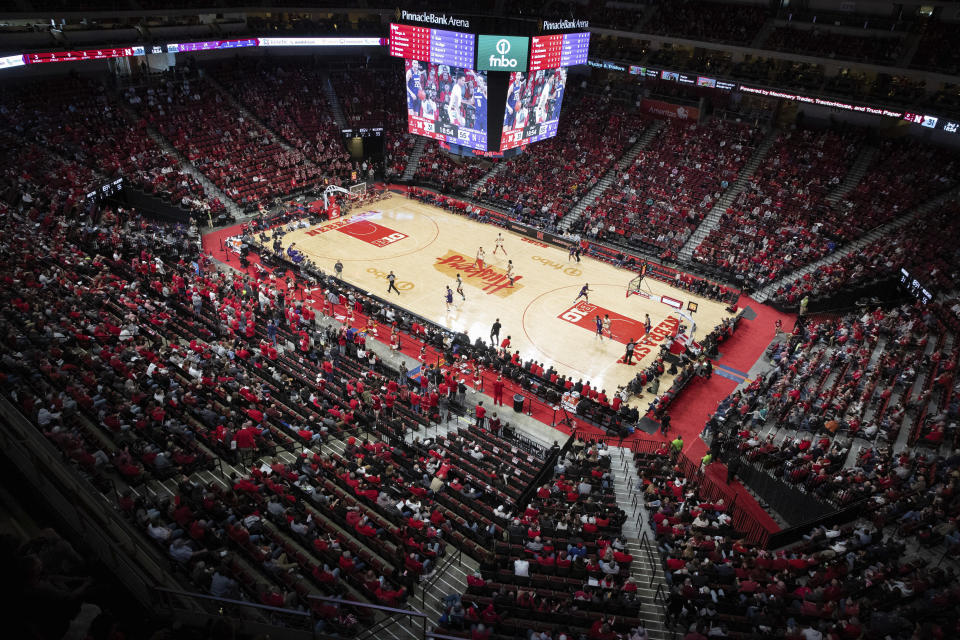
x: 429, y: 17
x: 320, y: 42
x: 502, y: 53
x: 560, y: 25
x: 669, y: 110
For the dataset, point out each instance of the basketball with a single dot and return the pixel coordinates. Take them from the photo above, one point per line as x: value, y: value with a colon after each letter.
x: 421, y: 95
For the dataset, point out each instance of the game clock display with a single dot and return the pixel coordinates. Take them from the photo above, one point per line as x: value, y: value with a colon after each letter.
x: 532, y: 112
x: 447, y: 103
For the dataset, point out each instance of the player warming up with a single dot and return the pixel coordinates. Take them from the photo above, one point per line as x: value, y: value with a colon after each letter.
x: 480, y: 258
x: 584, y: 293
x: 498, y: 245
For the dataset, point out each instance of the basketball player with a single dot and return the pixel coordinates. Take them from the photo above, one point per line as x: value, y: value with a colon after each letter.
x: 606, y: 326
x: 429, y: 106
x: 514, y: 100
x: 393, y: 285
x: 599, y: 327
x: 510, y: 271
x: 646, y: 324
x: 480, y: 257
x: 584, y: 293
x: 449, y: 297
x: 414, y: 88
x: 460, y: 287
x: 542, y: 110
x: 454, y: 106
x: 498, y: 245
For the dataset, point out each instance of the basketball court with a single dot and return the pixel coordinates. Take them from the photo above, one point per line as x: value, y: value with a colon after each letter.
x: 426, y: 247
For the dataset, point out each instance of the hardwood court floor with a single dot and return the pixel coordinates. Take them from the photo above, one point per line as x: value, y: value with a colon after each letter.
x: 426, y: 247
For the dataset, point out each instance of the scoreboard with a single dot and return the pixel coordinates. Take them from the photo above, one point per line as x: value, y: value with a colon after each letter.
x: 437, y: 46
x: 559, y: 50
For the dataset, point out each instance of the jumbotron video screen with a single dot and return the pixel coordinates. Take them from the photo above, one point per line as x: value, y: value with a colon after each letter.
x: 447, y: 103
x: 532, y: 112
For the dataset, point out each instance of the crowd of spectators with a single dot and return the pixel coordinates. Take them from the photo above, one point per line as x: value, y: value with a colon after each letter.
x: 243, y: 160
x: 369, y: 96
x: 562, y: 555
x: 79, y: 120
x: 657, y: 202
x: 861, y: 580
x: 781, y: 220
x: 880, y: 376
x: 439, y: 169
x: 925, y: 247
x: 544, y: 183
x: 285, y: 97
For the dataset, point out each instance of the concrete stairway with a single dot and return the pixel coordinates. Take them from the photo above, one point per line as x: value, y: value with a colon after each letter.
x: 334, y: 103
x: 646, y: 569
x: 413, y: 162
x: 764, y: 293
x: 712, y: 219
x: 854, y: 176
x: 494, y: 170
x: 621, y: 165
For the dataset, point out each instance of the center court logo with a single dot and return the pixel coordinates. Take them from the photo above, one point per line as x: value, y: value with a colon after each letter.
x: 491, y: 280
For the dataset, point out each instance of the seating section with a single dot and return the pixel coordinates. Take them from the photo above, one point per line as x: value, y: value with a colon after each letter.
x: 78, y: 119
x: 542, y: 184
x: 267, y: 455
x: 924, y: 247
x: 843, y: 582
x: 370, y: 96
x: 935, y: 50
x: 843, y: 46
x: 781, y: 220
x: 241, y: 158
x: 711, y: 21
x: 285, y: 98
x: 799, y: 422
x: 437, y: 168
x: 664, y: 195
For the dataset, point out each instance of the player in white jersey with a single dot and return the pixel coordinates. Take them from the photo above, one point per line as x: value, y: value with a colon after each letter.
x: 429, y: 107
x: 455, y: 105
x: 541, y: 111
x: 498, y: 245
x: 480, y: 258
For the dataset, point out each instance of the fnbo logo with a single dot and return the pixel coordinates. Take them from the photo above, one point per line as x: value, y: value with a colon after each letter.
x: 502, y: 53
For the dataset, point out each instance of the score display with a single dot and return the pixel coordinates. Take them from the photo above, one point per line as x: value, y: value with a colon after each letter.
x: 559, y: 50
x: 914, y: 286
x: 436, y: 46
x: 76, y: 56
